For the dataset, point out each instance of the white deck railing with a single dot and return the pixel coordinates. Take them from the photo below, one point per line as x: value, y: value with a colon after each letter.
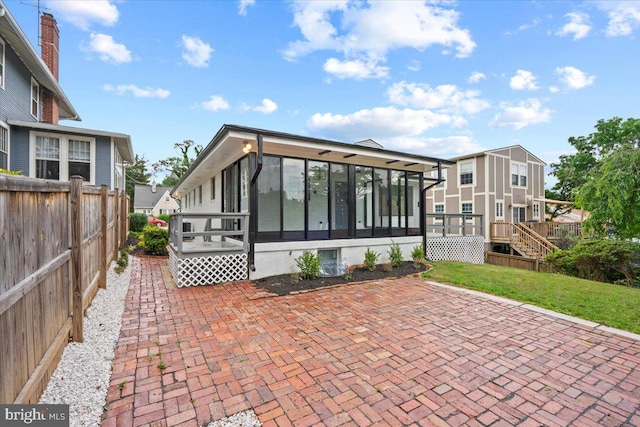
x: 209, y: 232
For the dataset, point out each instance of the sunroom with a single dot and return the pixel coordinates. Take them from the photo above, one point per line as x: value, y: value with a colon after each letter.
x: 255, y: 199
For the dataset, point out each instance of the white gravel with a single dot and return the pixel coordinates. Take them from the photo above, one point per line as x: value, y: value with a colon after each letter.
x: 81, y: 379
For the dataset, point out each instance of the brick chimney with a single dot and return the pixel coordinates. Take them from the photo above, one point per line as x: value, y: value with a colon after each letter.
x: 50, y: 56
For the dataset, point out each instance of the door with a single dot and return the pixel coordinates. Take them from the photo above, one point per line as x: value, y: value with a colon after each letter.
x: 519, y: 214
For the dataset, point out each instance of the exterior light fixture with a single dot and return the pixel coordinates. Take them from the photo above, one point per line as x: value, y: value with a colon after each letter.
x: 247, y: 147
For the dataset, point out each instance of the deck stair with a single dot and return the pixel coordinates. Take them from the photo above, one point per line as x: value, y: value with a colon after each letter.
x: 530, y: 244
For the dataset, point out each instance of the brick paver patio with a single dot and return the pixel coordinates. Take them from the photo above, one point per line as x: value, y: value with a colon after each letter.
x: 399, y: 352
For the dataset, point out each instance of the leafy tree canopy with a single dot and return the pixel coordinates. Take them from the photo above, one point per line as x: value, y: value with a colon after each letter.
x: 603, y: 177
x: 176, y: 166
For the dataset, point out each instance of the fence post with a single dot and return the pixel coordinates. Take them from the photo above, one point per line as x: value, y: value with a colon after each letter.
x: 124, y: 216
x: 77, y: 220
x: 116, y: 224
x: 102, y: 283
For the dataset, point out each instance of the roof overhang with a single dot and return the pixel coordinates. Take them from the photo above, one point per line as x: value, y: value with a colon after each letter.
x: 227, y: 147
x: 15, y: 37
x: 121, y: 140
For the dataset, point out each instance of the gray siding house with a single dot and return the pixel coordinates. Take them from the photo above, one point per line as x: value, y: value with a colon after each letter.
x: 31, y: 105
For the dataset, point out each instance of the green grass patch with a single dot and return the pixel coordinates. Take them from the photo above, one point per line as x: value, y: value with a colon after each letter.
x: 612, y: 305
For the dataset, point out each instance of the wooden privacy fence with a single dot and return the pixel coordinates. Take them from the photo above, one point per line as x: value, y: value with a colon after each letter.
x: 516, y: 262
x: 57, y: 240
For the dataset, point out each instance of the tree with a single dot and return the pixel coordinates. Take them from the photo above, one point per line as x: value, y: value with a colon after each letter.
x: 136, y: 175
x: 176, y: 166
x: 555, y: 209
x: 603, y: 177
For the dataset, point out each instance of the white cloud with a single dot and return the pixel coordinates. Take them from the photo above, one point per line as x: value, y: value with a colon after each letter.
x: 197, y: 53
x: 450, y: 146
x: 138, y: 92
x: 476, y: 76
x: 267, y: 107
x: 574, y: 78
x: 244, y: 5
x: 354, y: 69
x: 367, y: 31
x: 215, y: 103
x: 525, y: 113
x: 383, y: 122
x: 414, y: 65
x: 523, y: 80
x: 86, y: 12
x: 554, y: 89
x: 107, y: 49
x: 624, y: 17
x: 444, y: 98
x: 578, y: 26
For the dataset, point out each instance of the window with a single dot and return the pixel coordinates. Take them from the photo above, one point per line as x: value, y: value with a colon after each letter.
x: 364, y: 201
x: 244, y: 185
x: 4, y: 147
x: 200, y: 194
x: 499, y: 209
x: 518, y: 175
x: 467, y: 208
x: 466, y: 173
x: 293, y: 195
x: 213, y: 188
x: 47, y: 157
x: 80, y: 159
x: 35, y: 98
x: 439, y: 208
x: 2, y: 67
x: 166, y: 199
x: 536, y: 210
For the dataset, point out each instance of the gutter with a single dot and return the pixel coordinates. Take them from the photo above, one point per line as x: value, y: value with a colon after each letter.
x: 423, y: 214
x: 253, y: 220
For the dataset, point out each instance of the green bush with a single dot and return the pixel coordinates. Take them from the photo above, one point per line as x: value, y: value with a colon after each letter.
x: 137, y: 221
x: 309, y: 265
x: 610, y: 261
x: 395, y: 255
x: 417, y: 253
x: 155, y: 240
x: 371, y: 259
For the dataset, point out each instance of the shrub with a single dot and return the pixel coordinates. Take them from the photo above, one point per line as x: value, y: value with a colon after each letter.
x: 417, y: 253
x: 309, y: 265
x: 371, y: 259
x: 611, y: 261
x: 395, y: 255
x: 137, y: 221
x: 155, y: 240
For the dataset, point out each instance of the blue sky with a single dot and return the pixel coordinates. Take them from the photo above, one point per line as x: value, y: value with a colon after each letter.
x: 438, y: 78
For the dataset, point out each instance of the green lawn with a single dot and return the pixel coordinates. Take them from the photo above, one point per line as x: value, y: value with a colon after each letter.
x: 612, y: 305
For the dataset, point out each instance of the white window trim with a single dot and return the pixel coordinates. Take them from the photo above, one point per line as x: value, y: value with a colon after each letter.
x: 536, y: 212
x: 64, y: 153
x: 502, y: 209
x: 526, y: 175
x: 473, y: 173
x: 37, y: 116
x: 6, y: 126
x: 3, y: 62
x: 436, y: 219
x: 472, y: 220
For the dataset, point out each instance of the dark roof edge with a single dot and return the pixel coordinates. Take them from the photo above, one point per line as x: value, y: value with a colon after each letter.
x: 226, y: 128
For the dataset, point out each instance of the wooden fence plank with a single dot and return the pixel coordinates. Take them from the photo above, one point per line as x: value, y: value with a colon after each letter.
x: 76, y: 258
x: 102, y: 282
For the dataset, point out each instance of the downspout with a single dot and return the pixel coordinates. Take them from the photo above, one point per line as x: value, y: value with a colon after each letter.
x: 423, y: 216
x: 253, y: 220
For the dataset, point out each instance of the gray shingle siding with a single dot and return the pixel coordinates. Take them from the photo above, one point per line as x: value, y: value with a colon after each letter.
x: 103, y: 163
x: 15, y: 99
x: 19, y: 149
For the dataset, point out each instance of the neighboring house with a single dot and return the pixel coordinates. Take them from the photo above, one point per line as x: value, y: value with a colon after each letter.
x: 154, y: 200
x: 503, y: 185
x: 306, y: 193
x: 31, y: 104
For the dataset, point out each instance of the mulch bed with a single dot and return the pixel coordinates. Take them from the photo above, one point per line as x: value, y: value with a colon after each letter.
x: 284, y: 284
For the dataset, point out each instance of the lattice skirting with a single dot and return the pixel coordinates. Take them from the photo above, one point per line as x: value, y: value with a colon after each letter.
x: 208, y: 270
x: 456, y: 248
